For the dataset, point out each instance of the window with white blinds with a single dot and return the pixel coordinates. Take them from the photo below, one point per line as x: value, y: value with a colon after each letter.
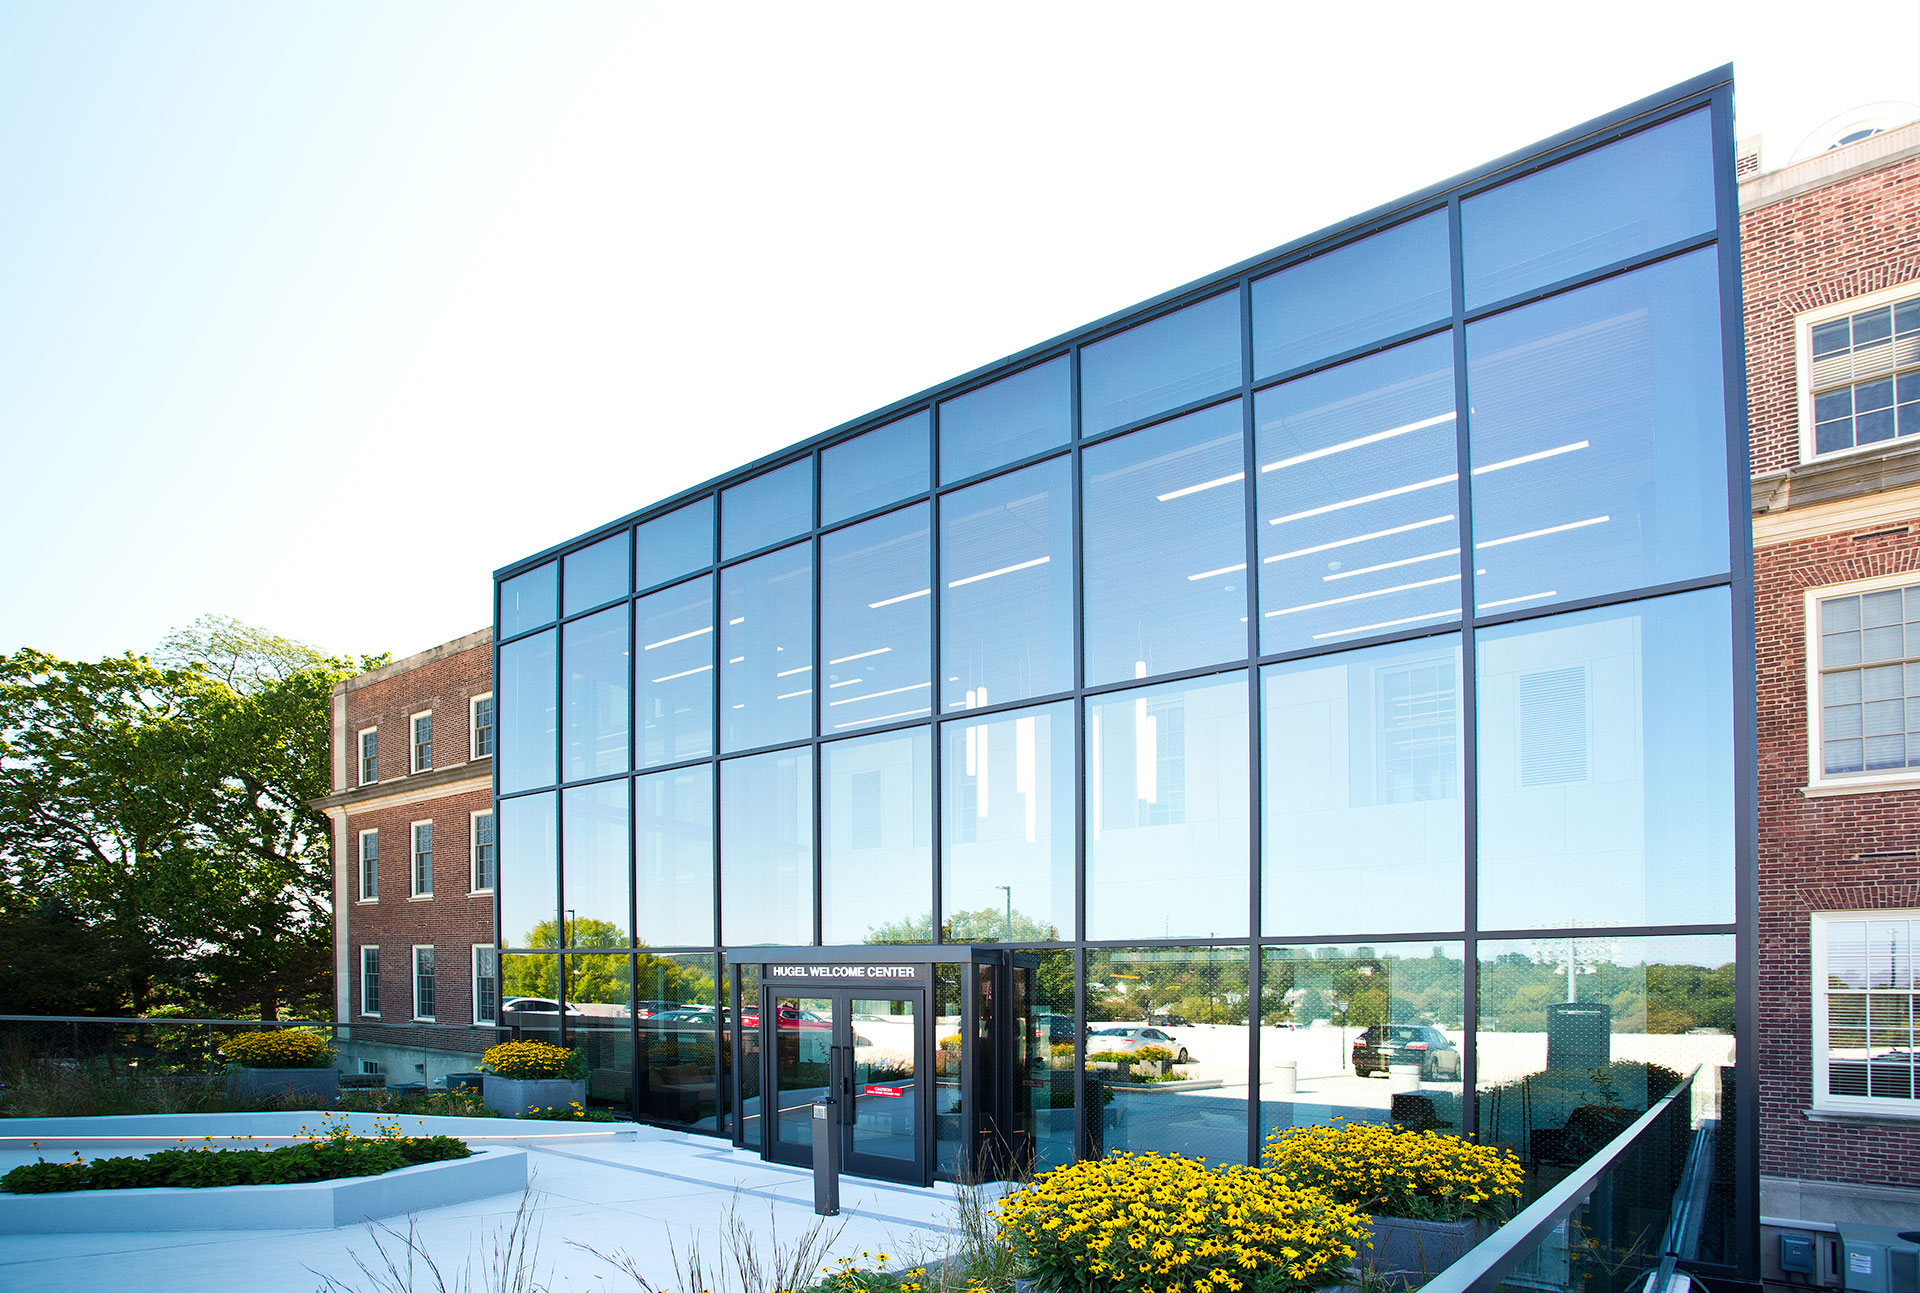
x: 1863, y: 375
x: 1864, y: 1004
x: 1869, y: 682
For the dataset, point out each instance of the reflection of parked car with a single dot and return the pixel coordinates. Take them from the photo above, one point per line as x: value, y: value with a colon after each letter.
x: 1172, y: 1021
x: 1053, y: 1028
x: 642, y: 1009
x: 1136, y: 1039
x: 1386, y: 1044
x: 535, y: 1006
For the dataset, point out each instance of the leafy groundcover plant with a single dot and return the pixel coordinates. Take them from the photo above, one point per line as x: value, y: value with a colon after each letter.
x: 1147, y: 1223
x: 533, y: 1060
x: 1390, y: 1172
x: 325, y: 1155
x: 286, y: 1048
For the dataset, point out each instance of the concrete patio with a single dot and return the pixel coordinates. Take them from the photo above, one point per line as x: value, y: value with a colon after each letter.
x: 641, y: 1191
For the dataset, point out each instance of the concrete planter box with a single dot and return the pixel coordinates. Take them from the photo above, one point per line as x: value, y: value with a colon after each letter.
x: 321, y: 1085
x: 518, y: 1097
x: 308, y: 1205
x: 1412, y: 1252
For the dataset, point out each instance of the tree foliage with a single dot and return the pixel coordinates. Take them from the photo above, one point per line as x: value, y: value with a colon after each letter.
x: 162, y: 804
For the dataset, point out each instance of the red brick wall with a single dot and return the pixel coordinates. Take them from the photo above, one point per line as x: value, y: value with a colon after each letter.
x: 1819, y: 248
x: 1811, y: 859
x: 454, y: 919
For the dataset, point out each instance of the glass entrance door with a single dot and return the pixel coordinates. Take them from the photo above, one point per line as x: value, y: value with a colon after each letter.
x: 864, y: 1048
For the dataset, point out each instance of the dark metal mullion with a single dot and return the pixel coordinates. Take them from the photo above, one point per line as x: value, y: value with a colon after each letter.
x: 1076, y: 582
x: 1601, y: 600
x: 1733, y: 350
x: 1588, y: 278
x: 1256, y: 851
x: 936, y: 674
x: 1268, y: 381
x: 1469, y: 691
x: 816, y: 720
x: 559, y: 804
x: 1173, y: 414
x: 493, y: 776
x: 1609, y: 931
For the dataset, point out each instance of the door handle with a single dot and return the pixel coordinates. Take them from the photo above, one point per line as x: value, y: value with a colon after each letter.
x: 843, y: 1069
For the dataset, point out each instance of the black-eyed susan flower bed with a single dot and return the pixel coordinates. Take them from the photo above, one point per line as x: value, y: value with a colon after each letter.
x: 286, y: 1048
x: 1159, y: 1223
x: 1387, y: 1171
x: 330, y: 1153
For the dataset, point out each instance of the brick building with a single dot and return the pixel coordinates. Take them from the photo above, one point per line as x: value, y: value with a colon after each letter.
x: 414, y: 860
x: 1831, y: 252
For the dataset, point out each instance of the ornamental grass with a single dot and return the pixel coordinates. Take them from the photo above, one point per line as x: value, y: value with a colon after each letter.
x: 1160, y: 1223
x: 533, y: 1060
x: 284, y: 1048
x: 1391, y: 1172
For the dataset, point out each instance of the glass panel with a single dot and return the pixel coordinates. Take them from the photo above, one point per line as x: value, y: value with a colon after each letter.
x: 802, y: 1055
x: 747, y: 1078
x: 594, y: 733
x: 529, y: 873
x: 1333, y: 1019
x: 766, y: 848
x: 1006, y: 600
x: 1186, y: 1003
x: 1599, y: 438
x: 883, y: 466
x: 1166, y: 548
x: 530, y: 994
x: 1043, y: 1100
x: 527, y: 687
x: 597, y: 574
x: 673, y: 679
x: 594, y: 886
x: 1645, y: 191
x: 876, y: 804
x: 1606, y: 766
x: 1388, y: 283
x: 1014, y: 418
x: 528, y: 600
x: 1579, y: 1036
x: 673, y: 857
x: 772, y: 506
x: 1167, y: 810
x: 679, y: 1029
x: 1358, y: 493
x: 1007, y: 818
x: 673, y: 545
x: 599, y: 1002
x: 1362, y: 784
x: 886, y: 1088
x: 949, y: 1130
x: 1160, y: 365
x: 766, y: 650
x: 875, y: 621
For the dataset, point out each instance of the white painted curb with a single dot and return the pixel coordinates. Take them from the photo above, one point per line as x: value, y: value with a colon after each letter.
x: 309, y: 1205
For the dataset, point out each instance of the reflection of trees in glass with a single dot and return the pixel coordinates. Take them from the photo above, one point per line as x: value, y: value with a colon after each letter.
x: 1516, y: 989
x: 986, y: 925
x: 602, y: 977
x: 1303, y: 986
x: 1206, y: 985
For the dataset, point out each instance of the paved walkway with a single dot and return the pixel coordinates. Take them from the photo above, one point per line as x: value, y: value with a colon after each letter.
x: 636, y: 1193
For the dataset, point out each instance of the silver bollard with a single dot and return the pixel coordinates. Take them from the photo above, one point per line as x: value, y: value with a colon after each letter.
x: 826, y: 1159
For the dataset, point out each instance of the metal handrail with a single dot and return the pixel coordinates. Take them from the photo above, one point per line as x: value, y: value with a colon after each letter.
x: 1489, y: 1262
x: 409, y: 1024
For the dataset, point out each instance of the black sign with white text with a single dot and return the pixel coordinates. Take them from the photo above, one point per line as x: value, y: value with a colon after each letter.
x: 843, y: 973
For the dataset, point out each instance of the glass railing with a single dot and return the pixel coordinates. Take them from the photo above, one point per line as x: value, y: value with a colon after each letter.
x: 1624, y: 1219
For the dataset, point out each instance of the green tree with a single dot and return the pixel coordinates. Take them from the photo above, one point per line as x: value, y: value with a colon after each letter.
x: 165, y: 804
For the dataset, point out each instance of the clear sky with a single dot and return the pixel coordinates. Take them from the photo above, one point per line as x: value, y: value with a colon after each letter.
x: 314, y: 314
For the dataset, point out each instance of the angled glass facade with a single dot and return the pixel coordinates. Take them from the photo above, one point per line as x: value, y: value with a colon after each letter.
x: 1333, y: 669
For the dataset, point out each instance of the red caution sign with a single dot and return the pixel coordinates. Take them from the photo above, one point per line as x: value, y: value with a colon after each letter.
x: 893, y: 1091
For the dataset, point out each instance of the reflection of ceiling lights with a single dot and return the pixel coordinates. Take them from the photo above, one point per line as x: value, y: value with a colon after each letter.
x: 793, y: 694
x: 1384, y: 624
x: 880, y: 718
x: 994, y: 574
x: 1344, y: 503
x: 1356, y: 443
x: 1358, y: 597
x: 1209, y: 574
x: 681, y: 638
x: 788, y: 673
x: 1172, y: 494
x: 903, y: 597
x: 1505, y: 463
x: 1551, y: 529
x: 1359, y: 538
x: 859, y: 655
x: 875, y: 695
x: 684, y: 673
x: 1513, y: 601
x: 1389, y: 565
x: 1146, y: 746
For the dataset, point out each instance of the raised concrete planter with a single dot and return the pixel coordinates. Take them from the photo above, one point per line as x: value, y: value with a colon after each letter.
x: 517, y: 1097
x: 322, y: 1085
x: 309, y: 1205
x: 1412, y: 1252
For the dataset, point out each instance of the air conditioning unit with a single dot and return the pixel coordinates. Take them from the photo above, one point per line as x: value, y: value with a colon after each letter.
x: 1879, y: 1259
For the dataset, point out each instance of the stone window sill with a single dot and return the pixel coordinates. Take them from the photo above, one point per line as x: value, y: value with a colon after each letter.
x: 1888, y: 1117
x: 1829, y: 789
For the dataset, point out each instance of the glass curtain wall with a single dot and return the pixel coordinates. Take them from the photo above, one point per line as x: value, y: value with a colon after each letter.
x: 1338, y: 663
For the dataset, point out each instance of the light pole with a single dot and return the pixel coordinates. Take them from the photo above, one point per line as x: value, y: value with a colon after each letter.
x: 1008, y: 890
x: 1340, y: 1004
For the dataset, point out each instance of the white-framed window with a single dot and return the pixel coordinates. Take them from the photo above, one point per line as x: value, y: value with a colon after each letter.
x: 485, y: 845
x: 423, y: 983
x: 1863, y: 1001
x: 480, y: 726
x: 370, y: 981
x: 1859, y: 365
x: 370, y: 1068
x: 369, y: 756
x: 422, y: 728
x: 1863, y: 684
x: 486, y: 982
x: 423, y: 859
x: 370, y: 866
